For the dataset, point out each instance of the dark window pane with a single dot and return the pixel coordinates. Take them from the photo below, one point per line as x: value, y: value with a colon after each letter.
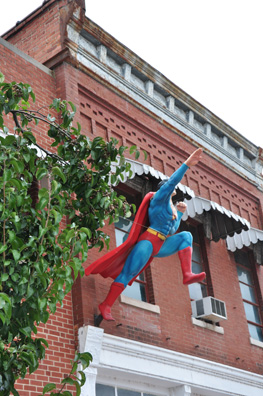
x: 197, y: 291
x: 244, y: 275
x: 242, y: 258
x: 141, y: 277
x: 104, y: 390
x: 196, y: 254
x: 187, y: 227
x: 255, y: 332
x: 126, y: 392
x: 252, y: 313
x: 136, y: 291
x: 194, y: 232
x: 247, y: 293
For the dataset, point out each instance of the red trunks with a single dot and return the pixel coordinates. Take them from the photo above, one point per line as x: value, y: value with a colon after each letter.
x: 156, y: 240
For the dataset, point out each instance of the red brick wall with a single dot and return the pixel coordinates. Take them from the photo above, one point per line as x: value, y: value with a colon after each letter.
x: 43, y: 33
x: 102, y: 112
x: 40, y: 33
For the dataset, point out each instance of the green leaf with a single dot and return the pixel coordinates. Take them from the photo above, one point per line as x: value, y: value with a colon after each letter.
x: 26, y: 157
x: 29, y: 135
x: 78, y: 390
x: 70, y: 234
x: 83, y: 377
x: 16, y: 183
x: 66, y: 393
x: 72, y: 106
x: 41, y: 172
x: 55, y: 187
x: 3, y: 248
x: 26, y: 356
x: 87, y: 231
x: 42, y: 303
x: 43, y: 193
x: 68, y: 380
x: 43, y: 341
x: 2, y: 78
x: 18, y: 165
x: 42, y: 203
x: 9, y: 140
x: 85, y: 359
x: 49, y: 387
x: 7, y: 175
x: 16, y: 255
x: 4, y: 277
x: 132, y: 149
x: 57, y: 216
x: 12, y: 235
x: 2, y: 317
x: 6, y: 305
x: 26, y: 331
x: 58, y: 172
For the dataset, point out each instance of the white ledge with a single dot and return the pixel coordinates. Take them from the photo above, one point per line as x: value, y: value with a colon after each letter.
x: 256, y: 342
x: 204, y: 325
x: 144, y: 367
x: 140, y: 304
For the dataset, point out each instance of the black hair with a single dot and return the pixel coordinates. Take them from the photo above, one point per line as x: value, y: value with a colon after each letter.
x: 160, y: 184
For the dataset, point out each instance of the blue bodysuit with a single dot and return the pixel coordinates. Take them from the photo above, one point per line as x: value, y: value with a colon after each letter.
x: 164, y: 221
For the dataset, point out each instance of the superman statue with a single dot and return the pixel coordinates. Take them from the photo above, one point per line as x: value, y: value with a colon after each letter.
x: 153, y: 234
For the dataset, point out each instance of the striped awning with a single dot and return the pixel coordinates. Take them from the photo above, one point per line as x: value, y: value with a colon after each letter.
x: 219, y: 223
x: 251, y: 238
x: 137, y: 168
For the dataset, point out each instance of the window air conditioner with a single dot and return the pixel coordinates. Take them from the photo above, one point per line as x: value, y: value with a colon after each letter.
x: 209, y: 308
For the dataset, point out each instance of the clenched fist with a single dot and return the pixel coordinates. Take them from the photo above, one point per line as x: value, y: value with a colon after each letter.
x: 181, y: 207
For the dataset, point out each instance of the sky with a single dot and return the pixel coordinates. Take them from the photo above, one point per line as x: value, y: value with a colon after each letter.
x: 211, y: 49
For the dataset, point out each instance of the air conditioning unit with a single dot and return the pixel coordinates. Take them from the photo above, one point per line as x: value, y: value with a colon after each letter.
x: 209, y: 308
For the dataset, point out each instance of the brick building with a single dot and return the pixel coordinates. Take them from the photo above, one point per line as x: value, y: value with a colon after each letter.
x: 168, y: 339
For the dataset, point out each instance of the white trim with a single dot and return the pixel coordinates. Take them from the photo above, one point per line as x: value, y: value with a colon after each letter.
x: 139, y: 304
x: 204, y: 325
x: 256, y: 342
x: 121, y: 361
x: 245, y: 238
x: 198, y: 205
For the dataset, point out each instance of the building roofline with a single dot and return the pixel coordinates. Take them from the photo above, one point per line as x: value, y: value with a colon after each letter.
x: 160, y: 79
x: 20, y: 24
x: 34, y: 14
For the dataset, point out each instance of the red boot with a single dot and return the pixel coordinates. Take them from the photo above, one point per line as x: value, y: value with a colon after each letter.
x: 105, y: 307
x: 185, y: 257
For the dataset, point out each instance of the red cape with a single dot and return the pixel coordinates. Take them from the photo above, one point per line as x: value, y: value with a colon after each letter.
x: 111, y: 264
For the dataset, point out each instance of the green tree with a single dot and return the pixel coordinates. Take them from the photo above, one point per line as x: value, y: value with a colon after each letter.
x: 39, y: 260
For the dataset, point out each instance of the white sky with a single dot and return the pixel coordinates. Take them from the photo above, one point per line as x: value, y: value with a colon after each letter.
x: 212, y: 49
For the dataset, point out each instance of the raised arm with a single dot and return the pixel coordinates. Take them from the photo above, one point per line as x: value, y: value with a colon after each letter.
x: 194, y: 158
x: 167, y: 189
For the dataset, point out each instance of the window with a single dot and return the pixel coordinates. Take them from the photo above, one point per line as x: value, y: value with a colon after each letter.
x: 138, y: 290
x: 106, y: 390
x: 197, y: 290
x: 249, y: 289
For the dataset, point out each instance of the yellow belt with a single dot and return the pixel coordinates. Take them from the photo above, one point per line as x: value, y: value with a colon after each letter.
x: 154, y: 232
